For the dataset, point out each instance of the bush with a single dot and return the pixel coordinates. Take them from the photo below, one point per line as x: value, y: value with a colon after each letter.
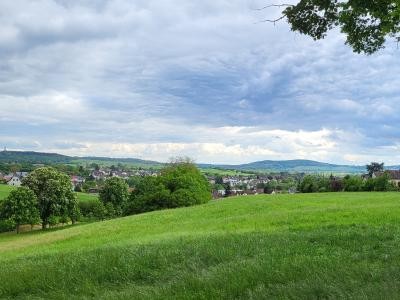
x: 54, y: 220
x: 352, y: 183
x: 92, y: 209
x: 309, y: 184
x: 7, y: 225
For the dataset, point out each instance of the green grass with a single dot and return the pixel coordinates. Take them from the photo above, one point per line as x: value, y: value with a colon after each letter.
x: 86, y: 197
x: 317, y: 246
x: 5, y: 190
x: 223, y: 172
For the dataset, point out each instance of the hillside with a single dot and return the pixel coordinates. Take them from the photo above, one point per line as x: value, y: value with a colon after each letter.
x: 54, y: 158
x: 32, y: 157
x: 299, y: 165
x: 338, y: 245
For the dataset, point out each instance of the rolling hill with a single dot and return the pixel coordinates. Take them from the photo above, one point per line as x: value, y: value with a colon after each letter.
x: 315, y: 246
x: 54, y: 158
x: 298, y: 165
x: 306, y: 166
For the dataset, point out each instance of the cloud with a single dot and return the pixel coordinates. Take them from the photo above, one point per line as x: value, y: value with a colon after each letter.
x: 160, y: 78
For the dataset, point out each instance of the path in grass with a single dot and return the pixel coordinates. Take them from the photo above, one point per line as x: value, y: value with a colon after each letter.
x: 298, y: 246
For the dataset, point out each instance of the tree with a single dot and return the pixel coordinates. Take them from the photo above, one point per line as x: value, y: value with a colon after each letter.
x: 21, y: 207
x: 53, y: 190
x: 179, y: 184
x: 186, y: 183
x: 228, y: 190
x: 149, y: 195
x: 115, y: 191
x: 309, y: 184
x: 219, y: 179
x: 352, y: 183
x: 374, y: 167
x: 366, y: 23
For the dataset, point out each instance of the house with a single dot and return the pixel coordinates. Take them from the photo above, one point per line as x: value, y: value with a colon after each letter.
x: 119, y: 174
x: 77, y: 180
x: 97, y: 175
x: 21, y: 175
x: 394, y: 176
x: 14, y: 181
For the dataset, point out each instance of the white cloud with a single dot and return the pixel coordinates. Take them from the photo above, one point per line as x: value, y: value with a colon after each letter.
x: 161, y: 78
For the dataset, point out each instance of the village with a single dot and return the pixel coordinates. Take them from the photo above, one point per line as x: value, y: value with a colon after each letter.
x: 90, y: 180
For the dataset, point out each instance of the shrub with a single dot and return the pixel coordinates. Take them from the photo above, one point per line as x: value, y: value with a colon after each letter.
x: 352, y: 183
x: 7, y: 225
x: 309, y: 184
x: 54, y: 220
x: 92, y: 209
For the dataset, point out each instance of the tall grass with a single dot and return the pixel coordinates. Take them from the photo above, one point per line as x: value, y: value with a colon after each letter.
x: 262, y: 247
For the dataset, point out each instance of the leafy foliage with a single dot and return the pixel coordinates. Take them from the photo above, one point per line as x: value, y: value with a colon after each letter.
x: 53, y: 190
x: 349, y: 183
x: 114, y: 193
x: 20, y: 207
x: 180, y: 184
x: 93, y: 208
x: 366, y: 23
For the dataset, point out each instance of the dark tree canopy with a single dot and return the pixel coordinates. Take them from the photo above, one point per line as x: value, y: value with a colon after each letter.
x: 366, y: 23
x: 374, y: 167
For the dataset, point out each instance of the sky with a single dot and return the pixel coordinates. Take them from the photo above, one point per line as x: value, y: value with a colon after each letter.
x: 155, y: 79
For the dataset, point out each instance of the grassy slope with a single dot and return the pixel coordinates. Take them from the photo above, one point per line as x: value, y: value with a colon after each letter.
x: 283, y: 246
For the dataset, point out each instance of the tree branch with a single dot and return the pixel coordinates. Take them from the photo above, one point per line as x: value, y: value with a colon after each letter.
x: 273, y: 5
x: 271, y: 21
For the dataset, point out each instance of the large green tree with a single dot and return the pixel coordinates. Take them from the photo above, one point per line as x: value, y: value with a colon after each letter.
x: 115, y: 192
x: 21, y: 207
x: 179, y: 184
x: 366, y: 23
x: 53, y: 190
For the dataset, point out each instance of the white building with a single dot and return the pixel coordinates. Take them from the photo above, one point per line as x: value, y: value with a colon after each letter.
x: 14, y: 181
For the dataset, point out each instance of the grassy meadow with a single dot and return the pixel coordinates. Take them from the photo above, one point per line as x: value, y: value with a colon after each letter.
x: 309, y: 246
x: 5, y: 190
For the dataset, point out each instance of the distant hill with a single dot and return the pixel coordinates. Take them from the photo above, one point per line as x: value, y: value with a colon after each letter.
x: 295, y: 166
x: 54, y: 158
x: 32, y: 157
x: 298, y: 165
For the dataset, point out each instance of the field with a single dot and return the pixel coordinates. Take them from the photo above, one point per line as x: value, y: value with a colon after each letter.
x: 344, y: 245
x: 5, y: 190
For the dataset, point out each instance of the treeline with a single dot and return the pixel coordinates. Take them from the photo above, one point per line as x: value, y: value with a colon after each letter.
x: 349, y: 183
x: 46, y: 197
